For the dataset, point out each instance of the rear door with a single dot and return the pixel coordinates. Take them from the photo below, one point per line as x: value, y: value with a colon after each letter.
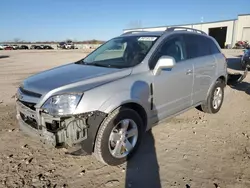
x: 198, y: 50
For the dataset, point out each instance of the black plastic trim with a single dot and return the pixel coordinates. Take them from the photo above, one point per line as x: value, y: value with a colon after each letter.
x: 152, y: 97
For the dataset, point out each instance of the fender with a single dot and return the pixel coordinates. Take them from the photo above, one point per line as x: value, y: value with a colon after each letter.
x: 125, y: 96
x: 107, y: 107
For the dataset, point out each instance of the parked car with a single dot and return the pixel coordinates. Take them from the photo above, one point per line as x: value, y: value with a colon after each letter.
x: 15, y: 47
x: 106, y: 101
x: 3, y: 46
x: 66, y: 45
x: 35, y: 47
x: 8, y: 47
x: 48, y: 47
x: 245, y: 59
x: 23, y: 47
x: 61, y: 45
x: 32, y: 46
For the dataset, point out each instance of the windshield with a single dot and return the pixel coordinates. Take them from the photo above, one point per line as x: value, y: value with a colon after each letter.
x: 121, y: 52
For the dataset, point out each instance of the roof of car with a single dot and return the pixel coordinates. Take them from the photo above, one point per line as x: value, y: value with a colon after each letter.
x: 159, y: 33
x: 145, y: 33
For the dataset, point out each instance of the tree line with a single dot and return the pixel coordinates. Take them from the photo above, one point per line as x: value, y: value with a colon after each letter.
x: 18, y: 41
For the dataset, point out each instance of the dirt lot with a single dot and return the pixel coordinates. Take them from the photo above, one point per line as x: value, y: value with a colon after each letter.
x: 192, y: 150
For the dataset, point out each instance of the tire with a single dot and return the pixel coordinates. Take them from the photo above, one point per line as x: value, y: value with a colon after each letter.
x: 208, y: 106
x: 103, y: 149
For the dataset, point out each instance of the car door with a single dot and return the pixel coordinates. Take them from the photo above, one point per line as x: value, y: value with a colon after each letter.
x: 172, y: 89
x: 198, y: 50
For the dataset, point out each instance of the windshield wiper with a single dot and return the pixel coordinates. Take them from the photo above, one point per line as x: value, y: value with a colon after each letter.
x: 101, y: 65
x: 96, y: 64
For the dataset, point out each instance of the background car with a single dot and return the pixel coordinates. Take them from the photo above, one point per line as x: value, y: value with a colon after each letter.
x: 48, y: 47
x: 15, y: 47
x: 61, y: 45
x: 3, y: 46
x: 66, y: 45
x: 32, y: 46
x: 8, y: 47
x: 23, y: 47
x: 245, y: 59
x: 35, y: 47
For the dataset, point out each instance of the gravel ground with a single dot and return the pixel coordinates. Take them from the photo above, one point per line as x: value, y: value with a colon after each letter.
x: 194, y: 149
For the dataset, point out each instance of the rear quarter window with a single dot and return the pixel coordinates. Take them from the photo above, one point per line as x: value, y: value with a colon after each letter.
x: 212, y: 46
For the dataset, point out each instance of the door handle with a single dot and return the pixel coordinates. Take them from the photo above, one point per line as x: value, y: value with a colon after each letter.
x: 189, y: 71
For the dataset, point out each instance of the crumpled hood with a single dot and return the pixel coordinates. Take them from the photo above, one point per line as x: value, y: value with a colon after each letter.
x: 70, y: 75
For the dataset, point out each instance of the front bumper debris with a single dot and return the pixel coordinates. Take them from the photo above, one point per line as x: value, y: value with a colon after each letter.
x: 235, y: 78
x: 28, y: 119
x: 69, y: 132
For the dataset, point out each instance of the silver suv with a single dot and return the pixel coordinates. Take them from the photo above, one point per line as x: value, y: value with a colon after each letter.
x: 105, y: 102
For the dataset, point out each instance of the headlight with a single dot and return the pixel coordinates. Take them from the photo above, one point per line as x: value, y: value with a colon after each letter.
x: 61, y: 105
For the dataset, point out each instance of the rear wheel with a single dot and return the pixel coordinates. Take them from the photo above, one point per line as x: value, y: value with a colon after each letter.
x: 215, y: 98
x: 118, y: 137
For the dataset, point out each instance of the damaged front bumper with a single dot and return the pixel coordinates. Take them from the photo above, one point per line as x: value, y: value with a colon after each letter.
x: 77, y: 131
x: 236, y: 78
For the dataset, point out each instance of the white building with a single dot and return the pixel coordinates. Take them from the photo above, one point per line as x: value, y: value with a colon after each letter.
x: 225, y: 31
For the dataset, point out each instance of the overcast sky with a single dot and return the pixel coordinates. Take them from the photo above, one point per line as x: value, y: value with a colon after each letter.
x: 33, y: 20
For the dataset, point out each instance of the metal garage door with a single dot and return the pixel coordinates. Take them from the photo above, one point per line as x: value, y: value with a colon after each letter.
x: 246, y: 34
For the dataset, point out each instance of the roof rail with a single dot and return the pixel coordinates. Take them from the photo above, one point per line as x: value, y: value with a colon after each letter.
x: 131, y: 32
x: 186, y: 29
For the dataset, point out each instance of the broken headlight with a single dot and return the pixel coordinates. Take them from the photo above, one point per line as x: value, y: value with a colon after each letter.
x: 61, y: 105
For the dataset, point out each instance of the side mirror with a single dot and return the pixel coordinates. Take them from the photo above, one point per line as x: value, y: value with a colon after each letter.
x: 163, y: 63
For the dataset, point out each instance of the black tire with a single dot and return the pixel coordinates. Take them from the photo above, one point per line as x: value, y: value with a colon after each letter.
x: 208, y: 107
x: 101, y: 149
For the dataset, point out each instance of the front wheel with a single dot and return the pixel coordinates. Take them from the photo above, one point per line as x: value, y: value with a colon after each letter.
x: 118, y: 137
x: 215, y: 98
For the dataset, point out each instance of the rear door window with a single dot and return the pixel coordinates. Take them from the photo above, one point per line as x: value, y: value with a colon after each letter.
x: 196, y: 46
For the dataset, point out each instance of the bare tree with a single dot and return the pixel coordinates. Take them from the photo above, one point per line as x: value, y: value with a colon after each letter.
x: 16, y: 40
x: 134, y: 24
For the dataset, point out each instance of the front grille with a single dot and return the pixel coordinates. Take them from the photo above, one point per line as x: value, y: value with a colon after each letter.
x: 29, y: 105
x: 30, y: 121
x: 30, y: 93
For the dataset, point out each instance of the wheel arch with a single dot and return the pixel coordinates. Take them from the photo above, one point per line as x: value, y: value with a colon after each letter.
x: 132, y: 105
x: 223, y: 78
x: 140, y: 110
